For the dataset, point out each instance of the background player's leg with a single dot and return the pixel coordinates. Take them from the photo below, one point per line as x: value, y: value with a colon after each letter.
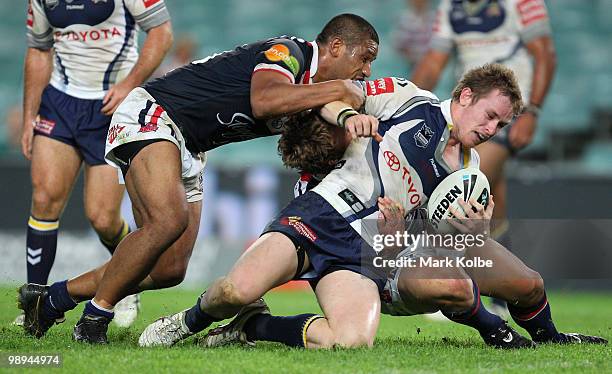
x: 102, y: 197
x: 55, y: 166
x: 351, y: 305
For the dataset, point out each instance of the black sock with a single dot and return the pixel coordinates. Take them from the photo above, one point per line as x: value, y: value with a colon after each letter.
x: 41, y: 242
x: 537, y: 320
x: 477, y: 316
x: 289, y: 330
x: 112, y: 244
x: 196, y: 319
x: 58, y: 301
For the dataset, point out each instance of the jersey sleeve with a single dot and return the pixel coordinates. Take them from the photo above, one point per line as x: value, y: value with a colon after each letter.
x: 388, y: 96
x: 148, y: 13
x: 283, y: 56
x: 532, y: 19
x: 442, y: 33
x: 39, y: 31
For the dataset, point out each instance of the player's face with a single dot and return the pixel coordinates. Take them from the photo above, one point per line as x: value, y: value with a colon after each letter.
x: 482, y: 119
x: 356, y: 61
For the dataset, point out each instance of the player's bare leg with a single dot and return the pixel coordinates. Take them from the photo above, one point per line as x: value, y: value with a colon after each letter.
x: 55, y: 166
x: 157, y: 193
x: 351, y: 306
x: 523, y: 288
x: 271, y: 261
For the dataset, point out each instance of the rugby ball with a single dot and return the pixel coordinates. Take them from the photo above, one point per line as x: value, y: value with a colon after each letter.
x: 462, y: 184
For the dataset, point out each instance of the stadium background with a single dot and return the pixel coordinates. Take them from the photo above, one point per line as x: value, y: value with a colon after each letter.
x: 560, y: 190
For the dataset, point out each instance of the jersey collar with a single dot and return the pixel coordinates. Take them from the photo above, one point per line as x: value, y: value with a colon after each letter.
x: 446, y: 112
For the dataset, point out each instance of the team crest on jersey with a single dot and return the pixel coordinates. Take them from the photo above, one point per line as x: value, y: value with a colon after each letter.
x: 423, y: 136
x: 280, y: 52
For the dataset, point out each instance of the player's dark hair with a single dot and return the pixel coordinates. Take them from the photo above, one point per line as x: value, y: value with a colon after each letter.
x: 351, y: 28
x: 482, y: 80
x: 307, y: 144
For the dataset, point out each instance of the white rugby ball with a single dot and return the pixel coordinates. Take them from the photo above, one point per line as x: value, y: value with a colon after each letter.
x: 462, y: 184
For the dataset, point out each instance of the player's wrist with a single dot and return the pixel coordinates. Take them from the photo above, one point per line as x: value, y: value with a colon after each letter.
x: 532, y: 109
x: 344, y: 115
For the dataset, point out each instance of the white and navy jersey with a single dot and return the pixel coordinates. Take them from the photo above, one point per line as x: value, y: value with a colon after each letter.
x: 406, y: 166
x: 95, y: 41
x: 488, y: 31
x: 210, y: 99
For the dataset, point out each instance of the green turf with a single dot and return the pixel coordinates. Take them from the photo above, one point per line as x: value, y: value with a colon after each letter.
x: 404, y: 344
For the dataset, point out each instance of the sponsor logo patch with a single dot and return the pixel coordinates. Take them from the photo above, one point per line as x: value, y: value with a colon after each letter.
x: 299, y: 226
x: 44, y: 125
x: 280, y: 52
x: 352, y: 200
x: 380, y: 86
x: 392, y: 160
x: 113, y: 132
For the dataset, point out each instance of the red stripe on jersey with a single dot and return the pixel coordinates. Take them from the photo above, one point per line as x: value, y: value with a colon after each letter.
x: 290, y: 77
x: 305, y: 177
x: 529, y: 9
x: 529, y: 21
x: 148, y: 3
x: 306, y: 77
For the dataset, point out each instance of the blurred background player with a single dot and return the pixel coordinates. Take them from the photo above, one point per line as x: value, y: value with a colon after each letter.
x: 81, y: 62
x: 413, y: 31
x: 515, y: 33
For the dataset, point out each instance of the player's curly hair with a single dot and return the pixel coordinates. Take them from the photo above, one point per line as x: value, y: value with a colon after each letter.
x: 484, y: 79
x: 307, y: 144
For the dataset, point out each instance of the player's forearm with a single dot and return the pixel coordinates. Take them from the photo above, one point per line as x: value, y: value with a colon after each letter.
x: 158, y: 42
x: 37, y: 73
x: 427, y: 73
x: 285, y: 99
x: 545, y: 63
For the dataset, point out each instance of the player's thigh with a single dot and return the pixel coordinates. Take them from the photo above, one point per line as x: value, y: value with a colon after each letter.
x: 269, y: 262
x: 492, y: 158
x: 102, y: 192
x: 508, y: 275
x: 55, y: 166
x: 154, y: 184
x: 351, y: 305
x: 172, y: 264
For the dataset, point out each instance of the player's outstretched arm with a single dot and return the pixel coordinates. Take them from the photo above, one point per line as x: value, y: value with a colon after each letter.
x: 273, y: 95
x: 358, y: 125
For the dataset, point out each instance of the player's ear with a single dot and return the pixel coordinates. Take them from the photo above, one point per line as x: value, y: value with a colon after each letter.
x: 336, y: 46
x: 465, y: 99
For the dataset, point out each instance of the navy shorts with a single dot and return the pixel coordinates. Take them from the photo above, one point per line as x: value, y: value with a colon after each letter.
x: 76, y: 122
x: 331, y: 244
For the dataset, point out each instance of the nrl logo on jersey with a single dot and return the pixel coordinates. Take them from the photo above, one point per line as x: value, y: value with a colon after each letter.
x: 423, y: 136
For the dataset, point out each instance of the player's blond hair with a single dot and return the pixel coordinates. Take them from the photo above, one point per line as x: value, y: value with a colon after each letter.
x: 307, y: 144
x: 482, y: 80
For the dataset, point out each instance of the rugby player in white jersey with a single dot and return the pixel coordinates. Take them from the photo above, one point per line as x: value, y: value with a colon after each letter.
x: 323, y: 235
x: 82, y: 61
x: 515, y: 33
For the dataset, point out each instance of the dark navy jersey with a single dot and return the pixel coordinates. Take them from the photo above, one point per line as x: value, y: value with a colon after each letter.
x: 209, y: 99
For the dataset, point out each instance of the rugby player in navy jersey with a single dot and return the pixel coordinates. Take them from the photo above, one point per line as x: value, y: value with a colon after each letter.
x: 324, y: 236
x: 158, y: 138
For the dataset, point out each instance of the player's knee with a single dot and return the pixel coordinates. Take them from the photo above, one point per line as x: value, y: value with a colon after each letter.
x: 166, y: 226
x: 459, y: 292
x: 232, y: 294
x: 350, y: 338
x: 535, y: 288
x: 45, y: 202
x: 104, y: 221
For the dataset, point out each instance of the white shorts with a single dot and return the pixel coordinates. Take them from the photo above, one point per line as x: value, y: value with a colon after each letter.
x: 138, y: 118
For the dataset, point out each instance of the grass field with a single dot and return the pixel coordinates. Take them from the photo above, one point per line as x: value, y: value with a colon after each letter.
x: 404, y: 344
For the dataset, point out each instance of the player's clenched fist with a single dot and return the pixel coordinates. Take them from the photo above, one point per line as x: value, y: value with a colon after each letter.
x: 363, y: 125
